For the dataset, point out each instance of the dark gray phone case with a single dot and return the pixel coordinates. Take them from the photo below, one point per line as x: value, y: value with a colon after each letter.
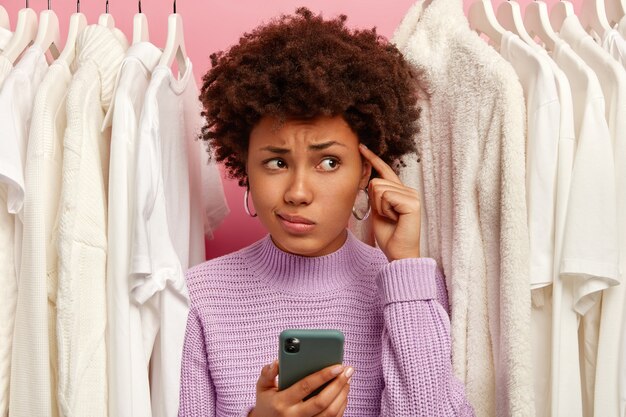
x: 318, y: 349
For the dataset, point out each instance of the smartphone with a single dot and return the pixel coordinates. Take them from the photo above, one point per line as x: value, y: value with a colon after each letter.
x: 306, y: 351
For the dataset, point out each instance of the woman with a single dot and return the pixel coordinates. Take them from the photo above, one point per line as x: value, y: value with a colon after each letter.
x: 301, y: 112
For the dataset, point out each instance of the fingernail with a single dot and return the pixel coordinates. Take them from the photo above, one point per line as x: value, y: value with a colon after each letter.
x: 349, y: 372
x: 348, y: 381
x: 336, y: 370
x: 362, y: 146
x: 271, y: 368
x: 276, y: 381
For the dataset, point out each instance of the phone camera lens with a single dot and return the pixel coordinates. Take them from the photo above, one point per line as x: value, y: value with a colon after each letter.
x: 292, y: 345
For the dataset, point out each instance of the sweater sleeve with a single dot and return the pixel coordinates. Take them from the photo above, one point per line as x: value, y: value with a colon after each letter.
x: 417, y: 364
x: 197, y: 393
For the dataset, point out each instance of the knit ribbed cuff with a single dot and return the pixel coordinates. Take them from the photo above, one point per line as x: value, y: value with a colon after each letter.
x: 408, y: 280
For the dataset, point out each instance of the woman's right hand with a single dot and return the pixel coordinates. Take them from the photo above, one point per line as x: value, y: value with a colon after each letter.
x: 330, y: 402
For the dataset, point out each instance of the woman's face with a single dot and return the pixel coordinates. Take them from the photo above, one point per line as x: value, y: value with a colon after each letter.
x: 304, y: 176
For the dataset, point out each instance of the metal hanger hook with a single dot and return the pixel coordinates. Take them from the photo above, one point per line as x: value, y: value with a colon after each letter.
x: 174, y: 6
x: 77, y: 6
x: 139, y: 6
x: 27, y: 4
x: 107, y: 7
x: 49, y: 4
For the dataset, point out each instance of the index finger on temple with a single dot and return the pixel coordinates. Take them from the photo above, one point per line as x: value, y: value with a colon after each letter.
x: 379, y: 165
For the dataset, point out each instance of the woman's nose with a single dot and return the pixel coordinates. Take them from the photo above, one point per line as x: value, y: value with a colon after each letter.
x: 298, y: 190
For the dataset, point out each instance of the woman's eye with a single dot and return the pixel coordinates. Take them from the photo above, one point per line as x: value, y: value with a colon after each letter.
x: 275, y: 164
x: 329, y: 164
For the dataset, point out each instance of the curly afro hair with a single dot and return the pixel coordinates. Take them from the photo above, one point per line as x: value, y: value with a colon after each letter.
x: 300, y: 67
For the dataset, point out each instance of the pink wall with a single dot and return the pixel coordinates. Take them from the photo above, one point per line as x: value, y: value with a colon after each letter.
x: 214, y: 25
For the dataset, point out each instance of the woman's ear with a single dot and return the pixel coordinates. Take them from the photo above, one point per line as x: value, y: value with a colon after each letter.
x: 366, y: 173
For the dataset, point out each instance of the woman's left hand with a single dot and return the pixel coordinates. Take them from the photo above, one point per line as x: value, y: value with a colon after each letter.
x: 395, y: 211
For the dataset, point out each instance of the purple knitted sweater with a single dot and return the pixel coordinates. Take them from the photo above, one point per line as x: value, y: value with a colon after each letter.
x: 393, y: 316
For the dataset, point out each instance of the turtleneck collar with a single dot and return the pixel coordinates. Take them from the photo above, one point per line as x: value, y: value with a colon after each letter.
x: 101, y: 46
x: 302, y: 274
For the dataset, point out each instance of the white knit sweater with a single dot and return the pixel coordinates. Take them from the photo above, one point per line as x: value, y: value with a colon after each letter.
x: 82, y: 243
x: 472, y: 146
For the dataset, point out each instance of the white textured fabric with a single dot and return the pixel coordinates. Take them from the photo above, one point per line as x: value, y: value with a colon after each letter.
x: 129, y: 386
x: 472, y: 161
x: 542, y: 139
x: 612, y: 78
x: 169, y: 222
x: 82, y: 244
x: 16, y: 103
x: 34, y: 362
x: 615, y: 44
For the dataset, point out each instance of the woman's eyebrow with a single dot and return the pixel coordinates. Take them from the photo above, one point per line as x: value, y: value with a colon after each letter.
x: 314, y: 147
x: 275, y: 149
x: 325, y: 145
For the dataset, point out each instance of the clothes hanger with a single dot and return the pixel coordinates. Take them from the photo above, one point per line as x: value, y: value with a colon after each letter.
x: 175, y: 43
x: 48, y: 34
x: 593, y: 17
x: 4, y: 19
x: 560, y: 11
x: 615, y: 10
x: 537, y: 23
x: 78, y: 22
x: 24, y: 35
x: 482, y: 19
x: 510, y: 17
x: 107, y: 19
x: 140, y: 27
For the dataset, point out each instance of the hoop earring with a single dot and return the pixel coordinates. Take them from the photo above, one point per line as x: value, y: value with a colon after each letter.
x: 369, y: 208
x: 245, y: 203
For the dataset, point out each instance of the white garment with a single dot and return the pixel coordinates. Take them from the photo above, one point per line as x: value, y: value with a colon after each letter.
x: 543, y: 134
x: 82, y: 243
x: 621, y: 27
x: 16, y: 103
x: 584, y: 269
x: 542, y: 139
x: 472, y: 162
x: 34, y: 361
x: 169, y: 224
x: 612, y: 78
x: 129, y: 393
x: 615, y: 44
x: 546, y: 316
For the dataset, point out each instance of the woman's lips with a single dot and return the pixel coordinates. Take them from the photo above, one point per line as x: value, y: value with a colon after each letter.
x: 295, y: 224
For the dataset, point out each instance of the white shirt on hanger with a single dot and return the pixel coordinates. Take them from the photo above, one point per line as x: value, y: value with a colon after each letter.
x: 612, y: 79
x: 129, y: 386
x: 169, y: 224
x: 82, y: 240
x: 34, y: 345
x: 542, y: 139
x: 543, y: 135
x: 589, y: 251
x: 16, y: 103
